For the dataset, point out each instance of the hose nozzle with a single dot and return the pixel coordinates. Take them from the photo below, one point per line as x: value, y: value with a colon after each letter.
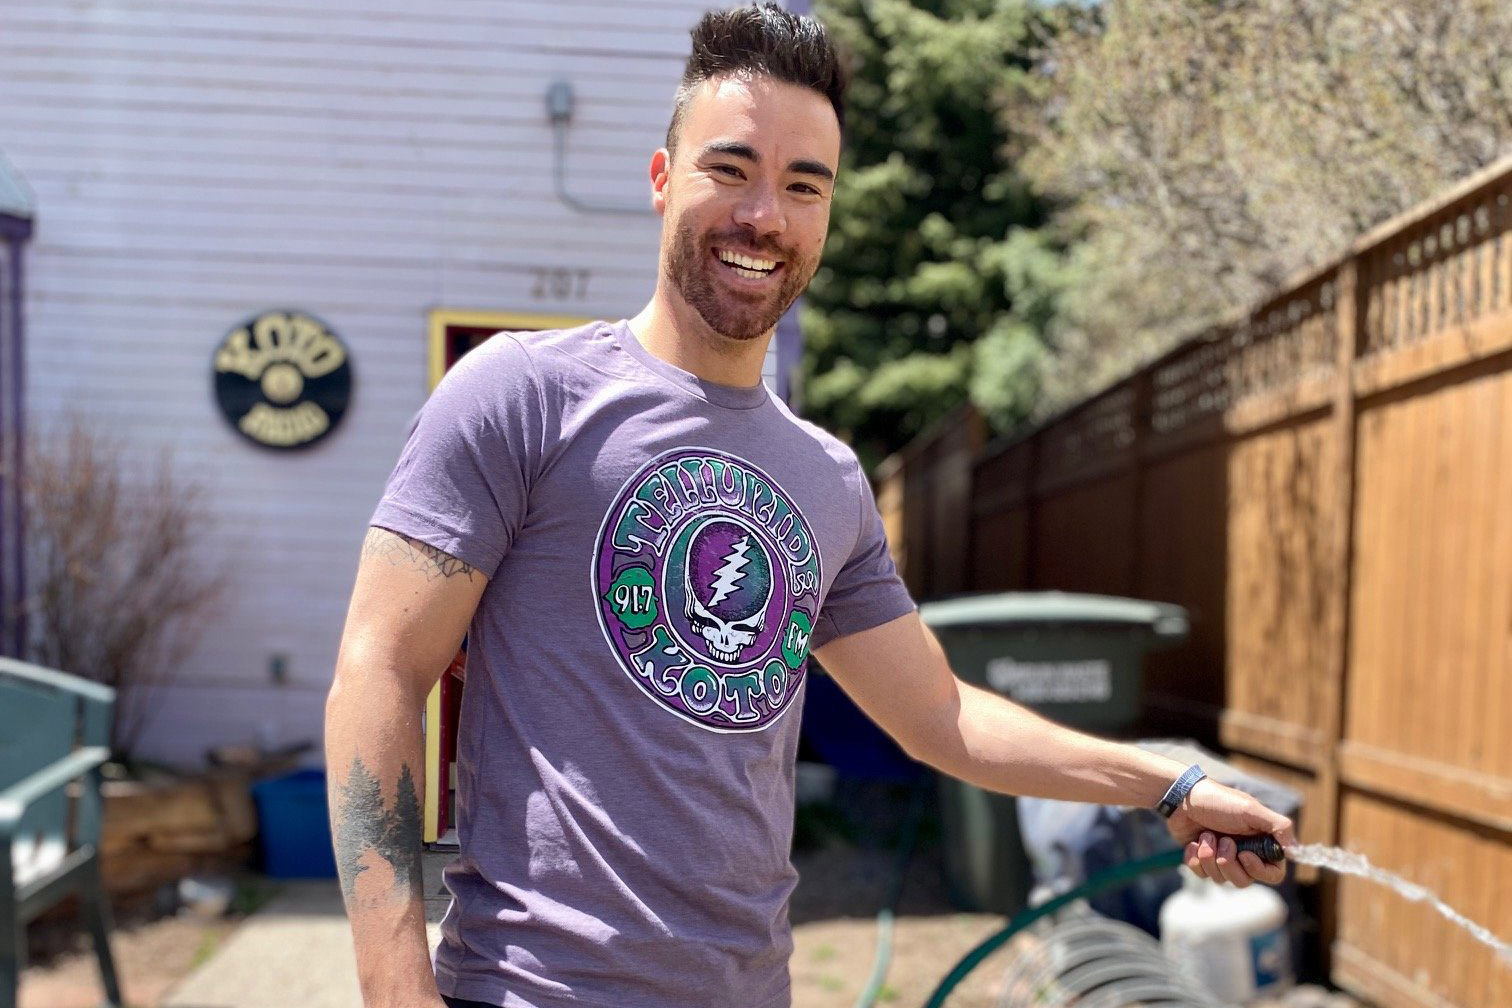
x: 1264, y: 846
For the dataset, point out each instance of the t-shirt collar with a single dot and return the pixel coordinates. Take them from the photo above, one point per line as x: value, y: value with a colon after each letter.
x: 730, y: 396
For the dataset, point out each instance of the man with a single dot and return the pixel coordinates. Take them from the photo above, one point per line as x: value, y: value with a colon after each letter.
x: 642, y: 546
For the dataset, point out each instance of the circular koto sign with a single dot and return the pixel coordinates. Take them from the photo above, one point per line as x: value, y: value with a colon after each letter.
x: 282, y: 379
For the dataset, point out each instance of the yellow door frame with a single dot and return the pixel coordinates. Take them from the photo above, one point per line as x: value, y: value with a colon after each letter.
x: 439, y: 322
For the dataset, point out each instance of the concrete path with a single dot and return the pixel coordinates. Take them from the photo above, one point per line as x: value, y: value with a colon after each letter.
x: 296, y: 952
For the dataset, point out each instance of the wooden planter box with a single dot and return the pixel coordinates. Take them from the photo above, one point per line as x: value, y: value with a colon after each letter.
x: 158, y: 831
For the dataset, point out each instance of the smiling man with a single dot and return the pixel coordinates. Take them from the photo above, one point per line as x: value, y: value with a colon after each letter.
x: 643, y: 547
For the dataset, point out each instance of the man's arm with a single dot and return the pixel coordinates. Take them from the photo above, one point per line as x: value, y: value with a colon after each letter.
x: 410, y: 609
x: 899, y: 675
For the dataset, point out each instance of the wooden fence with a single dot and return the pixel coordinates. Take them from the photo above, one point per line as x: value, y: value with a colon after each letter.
x: 1326, y: 485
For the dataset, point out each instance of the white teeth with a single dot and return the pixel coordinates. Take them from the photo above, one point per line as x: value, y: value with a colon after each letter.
x: 736, y: 259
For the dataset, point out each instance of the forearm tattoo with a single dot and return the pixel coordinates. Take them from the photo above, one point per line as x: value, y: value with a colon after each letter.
x: 412, y: 554
x: 365, y: 830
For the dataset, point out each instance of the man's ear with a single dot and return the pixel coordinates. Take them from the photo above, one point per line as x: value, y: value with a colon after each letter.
x: 661, y: 166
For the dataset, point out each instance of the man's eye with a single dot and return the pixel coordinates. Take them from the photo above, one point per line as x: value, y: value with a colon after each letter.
x: 725, y: 169
x: 806, y: 189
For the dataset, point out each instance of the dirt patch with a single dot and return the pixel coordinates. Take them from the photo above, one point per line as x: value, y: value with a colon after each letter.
x: 154, y: 944
x: 851, y: 865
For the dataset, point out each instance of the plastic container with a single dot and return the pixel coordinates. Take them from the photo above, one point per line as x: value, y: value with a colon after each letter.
x: 295, y: 827
x: 845, y: 738
x: 1077, y: 659
x: 1233, y: 941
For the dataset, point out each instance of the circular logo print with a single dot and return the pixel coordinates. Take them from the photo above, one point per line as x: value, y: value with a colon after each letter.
x: 283, y: 379
x: 707, y: 579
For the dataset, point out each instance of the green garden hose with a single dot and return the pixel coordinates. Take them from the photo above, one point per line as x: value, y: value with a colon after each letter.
x: 883, y: 958
x: 1112, y: 878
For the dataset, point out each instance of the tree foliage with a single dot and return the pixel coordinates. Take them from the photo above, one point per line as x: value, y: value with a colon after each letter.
x: 1209, y: 149
x: 936, y: 285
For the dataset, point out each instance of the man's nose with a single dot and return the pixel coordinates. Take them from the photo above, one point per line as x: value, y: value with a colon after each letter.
x: 760, y: 209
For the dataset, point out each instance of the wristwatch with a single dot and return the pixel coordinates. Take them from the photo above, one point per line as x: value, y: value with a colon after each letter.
x: 1177, y: 792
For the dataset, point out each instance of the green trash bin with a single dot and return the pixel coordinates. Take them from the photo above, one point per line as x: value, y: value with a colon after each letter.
x: 1077, y: 659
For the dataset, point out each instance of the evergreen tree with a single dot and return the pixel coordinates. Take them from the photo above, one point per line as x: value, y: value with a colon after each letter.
x: 936, y: 286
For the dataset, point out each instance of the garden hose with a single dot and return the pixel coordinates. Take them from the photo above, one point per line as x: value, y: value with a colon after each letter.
x: 1112, y: 878
x: 883, y: 959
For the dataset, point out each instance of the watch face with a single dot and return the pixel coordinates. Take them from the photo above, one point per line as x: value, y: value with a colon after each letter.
x: 282, y: 379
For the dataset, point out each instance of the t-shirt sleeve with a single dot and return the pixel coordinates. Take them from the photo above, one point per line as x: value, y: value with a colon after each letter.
x: 462, y: 483
x: 867, y: 592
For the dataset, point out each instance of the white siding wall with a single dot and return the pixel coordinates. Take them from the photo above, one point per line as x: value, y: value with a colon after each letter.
x: 199, y: 161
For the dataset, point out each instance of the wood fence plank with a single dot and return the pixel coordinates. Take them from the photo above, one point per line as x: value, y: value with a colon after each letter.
x: 1366, y: 643
x: 1400, y: 713
x: 1443, y: 622
x: 1476, y: 340
x: 1497, y: 585
x: 1483, y: 415
x: 1483, y: 799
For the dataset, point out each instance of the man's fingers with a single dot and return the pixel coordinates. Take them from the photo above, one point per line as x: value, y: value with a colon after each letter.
x: 1263, y: 820
x: 1201, y: 865
x: 1229, y: 869
x: 1191, y: 858
x: 1219, y: 859
x: 1270, y: 874
x: 1202, y: 856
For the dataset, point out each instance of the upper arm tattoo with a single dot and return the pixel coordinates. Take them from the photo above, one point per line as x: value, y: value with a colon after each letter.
x: 402, y: 551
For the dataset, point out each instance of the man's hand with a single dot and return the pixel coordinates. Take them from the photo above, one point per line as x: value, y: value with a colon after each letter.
x: 1207, y: 820
x: 898, y: 674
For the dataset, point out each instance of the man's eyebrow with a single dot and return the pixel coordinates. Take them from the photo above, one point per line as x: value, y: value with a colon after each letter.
x: 805, y: 167
x: 733, y: 148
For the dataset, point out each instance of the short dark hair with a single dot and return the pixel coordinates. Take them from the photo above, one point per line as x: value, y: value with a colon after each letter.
x: 761, y: 40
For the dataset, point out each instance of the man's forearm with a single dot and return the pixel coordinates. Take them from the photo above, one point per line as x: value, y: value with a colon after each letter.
x: 375, y: 766
x: 1005, y: 747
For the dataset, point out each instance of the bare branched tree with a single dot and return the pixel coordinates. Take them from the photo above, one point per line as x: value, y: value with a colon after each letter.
x: 116, y: 586
x: 1208, y: 150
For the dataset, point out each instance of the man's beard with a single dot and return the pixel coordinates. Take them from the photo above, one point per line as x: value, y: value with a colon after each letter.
x: 731, y: 313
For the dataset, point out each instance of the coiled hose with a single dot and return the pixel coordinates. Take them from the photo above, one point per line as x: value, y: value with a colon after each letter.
x: 1091, y: 961
x: 1112, y: 878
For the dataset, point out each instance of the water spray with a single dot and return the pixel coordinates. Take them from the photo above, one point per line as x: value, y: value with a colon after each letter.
x: 1265, y: 847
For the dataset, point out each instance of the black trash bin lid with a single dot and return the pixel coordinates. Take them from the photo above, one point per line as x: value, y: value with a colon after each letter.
x: 1054, y: 608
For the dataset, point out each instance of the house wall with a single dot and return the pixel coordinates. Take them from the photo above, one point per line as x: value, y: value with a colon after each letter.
x: 365, y: 161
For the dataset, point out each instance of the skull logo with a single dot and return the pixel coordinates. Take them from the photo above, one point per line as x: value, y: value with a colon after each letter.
x: 727, y: 587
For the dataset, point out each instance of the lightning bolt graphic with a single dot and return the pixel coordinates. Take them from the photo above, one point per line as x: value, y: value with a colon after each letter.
x: 728, y: 577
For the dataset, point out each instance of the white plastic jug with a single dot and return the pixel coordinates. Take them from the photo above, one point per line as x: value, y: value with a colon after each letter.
x: 1232, y: 940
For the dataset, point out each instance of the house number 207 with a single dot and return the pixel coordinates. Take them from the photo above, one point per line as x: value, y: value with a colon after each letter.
x: 559, y: 283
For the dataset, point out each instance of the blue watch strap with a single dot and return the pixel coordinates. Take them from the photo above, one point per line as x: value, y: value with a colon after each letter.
x: 1177, y: 792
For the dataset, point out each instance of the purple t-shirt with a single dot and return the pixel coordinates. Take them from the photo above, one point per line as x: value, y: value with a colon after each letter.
x: 663, y: 553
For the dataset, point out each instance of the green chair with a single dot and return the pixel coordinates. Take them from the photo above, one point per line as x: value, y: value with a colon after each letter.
x: 54, y: 735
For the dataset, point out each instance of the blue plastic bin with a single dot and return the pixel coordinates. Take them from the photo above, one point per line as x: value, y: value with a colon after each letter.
x: 846, y: 739
x: 295, y: 826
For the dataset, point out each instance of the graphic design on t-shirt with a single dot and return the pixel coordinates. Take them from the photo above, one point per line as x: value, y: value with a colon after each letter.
x: 708, y: 580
